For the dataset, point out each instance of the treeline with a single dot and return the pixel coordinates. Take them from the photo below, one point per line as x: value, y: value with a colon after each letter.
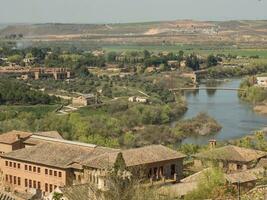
x: 236, y: 71
x: 252, y: 93
x: 14, y: 92
x: 76, y: 59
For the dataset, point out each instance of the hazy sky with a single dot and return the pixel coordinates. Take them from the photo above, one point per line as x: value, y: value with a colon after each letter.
x: 104, y: 11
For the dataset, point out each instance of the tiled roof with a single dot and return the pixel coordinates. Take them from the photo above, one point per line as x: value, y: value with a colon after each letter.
x: 245, y: 176
x: 135, y: 157
x: 197, y: 176
x: 50, y: 134
x: 79, y: 192
x: 56, y: 154
x: 12, y: 136
x: 232, y: 153
x: 262, y: 163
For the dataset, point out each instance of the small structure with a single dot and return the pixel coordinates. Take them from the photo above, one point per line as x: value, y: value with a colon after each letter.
x: 138, y: 99
x: 12, y: 141
x: 262, y: 81
x: 246, y: 178
x: 230, y: 158
x: 84, y: 100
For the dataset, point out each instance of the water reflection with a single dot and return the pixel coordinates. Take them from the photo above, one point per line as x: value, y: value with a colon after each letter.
x: 236, y: 117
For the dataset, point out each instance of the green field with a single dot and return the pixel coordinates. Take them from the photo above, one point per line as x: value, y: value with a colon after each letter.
x: 200, y: 49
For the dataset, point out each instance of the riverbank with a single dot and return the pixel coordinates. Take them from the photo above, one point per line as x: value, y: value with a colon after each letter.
x: 236, y: 117
x: 261, y: 109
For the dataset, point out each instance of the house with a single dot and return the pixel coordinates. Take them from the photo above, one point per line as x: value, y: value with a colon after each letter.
x: 138, y: 99
x: 84, y: 100
x: 262, y: 81
x: 230, y: 158
x: 45, y: 161
x: 246, y: 178
x: 12, y: 141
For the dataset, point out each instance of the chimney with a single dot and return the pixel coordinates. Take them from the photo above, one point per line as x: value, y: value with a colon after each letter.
x: 212, y: 143
x: 18, y: 137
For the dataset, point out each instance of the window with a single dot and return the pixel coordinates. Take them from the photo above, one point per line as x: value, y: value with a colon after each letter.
x: 46, y: 187
x: 39, y: 185
x: 18, y: 166
x: 10, y: 178
x: 18, y: 180
x: 30, y: 168
x: 26, y: 182
x: 59, y: 174
x: 15, y: 180
x: 15, y: 165
x: 34, y: 169
x: 10, y: 164
x: 34, y: 184
x: 55, y: 187
x: 6, y: 163
x: 55, y: 173
x: 30, y: 183
x: 6, y: 178
x: 50, y: 188
x: 38, y: 169
x: 46, y: 171
x: 26, y: 167
x: 50, y: 172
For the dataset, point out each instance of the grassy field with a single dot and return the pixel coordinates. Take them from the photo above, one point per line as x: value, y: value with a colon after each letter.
x: 200, y: 49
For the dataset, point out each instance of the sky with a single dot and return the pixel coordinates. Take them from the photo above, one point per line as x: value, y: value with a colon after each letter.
x: 121, y: 11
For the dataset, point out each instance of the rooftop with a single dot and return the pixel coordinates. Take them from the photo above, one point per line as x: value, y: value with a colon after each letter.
x: 135, y: 157
x: 232, y: 153
x: 245, y: 176
x: 13, y: 136
x: 78, y: 192
x: 56, y: 154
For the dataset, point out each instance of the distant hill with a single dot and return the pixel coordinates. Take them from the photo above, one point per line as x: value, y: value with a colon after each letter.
x: 169, y: 31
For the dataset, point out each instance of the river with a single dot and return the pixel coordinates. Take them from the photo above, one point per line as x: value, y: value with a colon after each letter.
x: 235, y: 116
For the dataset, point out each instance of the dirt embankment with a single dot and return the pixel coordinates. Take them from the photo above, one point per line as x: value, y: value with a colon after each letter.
x: 262, y: 108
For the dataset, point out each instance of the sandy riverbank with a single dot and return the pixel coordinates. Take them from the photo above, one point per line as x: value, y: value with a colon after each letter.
x: 262, y: 108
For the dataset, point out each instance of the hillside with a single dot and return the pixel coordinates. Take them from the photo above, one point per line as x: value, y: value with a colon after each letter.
x: 182, y: 31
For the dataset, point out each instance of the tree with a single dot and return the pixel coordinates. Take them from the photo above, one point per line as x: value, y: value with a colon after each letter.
x: 193, y: 62
x: 107, y: 91
x: 112, y: 56
x: 211, y: 61
x: 57, y: 196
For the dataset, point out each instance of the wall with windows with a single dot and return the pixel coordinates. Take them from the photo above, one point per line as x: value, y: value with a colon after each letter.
x: 22, y: 176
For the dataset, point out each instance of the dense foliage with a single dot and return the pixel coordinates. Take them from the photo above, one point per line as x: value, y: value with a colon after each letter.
x: 13, y: 92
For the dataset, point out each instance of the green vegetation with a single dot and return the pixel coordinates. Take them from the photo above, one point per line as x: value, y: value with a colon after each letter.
x: 252, y: 93
x: 14, y: 93
x: 202, y: 124
x: 236, y: 71
x: 212, y: 186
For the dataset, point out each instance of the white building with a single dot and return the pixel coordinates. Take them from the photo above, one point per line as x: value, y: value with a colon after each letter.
x: 262, y: 81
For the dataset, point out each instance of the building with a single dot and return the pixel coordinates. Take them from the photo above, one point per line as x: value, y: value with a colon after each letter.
x: 138, y: 99
x: 84, y: 100
x: 262, y: 81
x: 247, y: 179
x: 230, y: 158
x: 44, y: 162
x: 12, y: 141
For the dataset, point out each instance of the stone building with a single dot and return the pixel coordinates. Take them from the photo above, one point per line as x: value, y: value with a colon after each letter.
x: 84, y: 100
x: 230, y: 158
x: 45, y: 161
x: 262, y: 81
